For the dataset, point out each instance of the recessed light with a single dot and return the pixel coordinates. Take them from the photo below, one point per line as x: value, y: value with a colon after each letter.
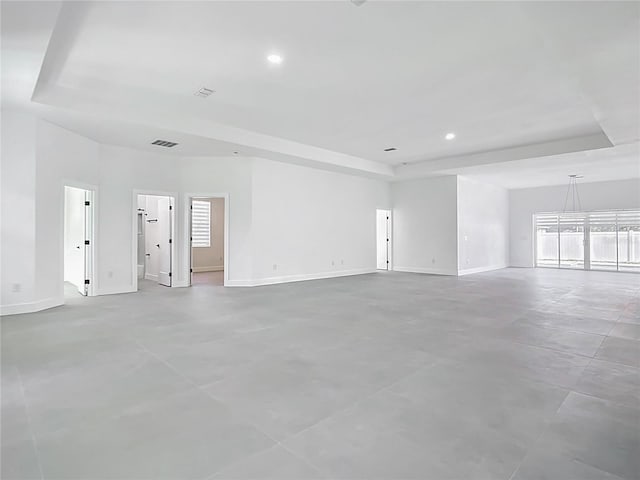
x: 390, y: 149
x: 450, y: 136
x: 275, y: 59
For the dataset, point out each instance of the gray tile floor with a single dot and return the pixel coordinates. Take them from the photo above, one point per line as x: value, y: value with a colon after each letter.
x: 515, y: 374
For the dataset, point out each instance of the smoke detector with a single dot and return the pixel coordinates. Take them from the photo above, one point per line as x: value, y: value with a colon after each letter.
x: 164, y: 143
x: 204, y: 92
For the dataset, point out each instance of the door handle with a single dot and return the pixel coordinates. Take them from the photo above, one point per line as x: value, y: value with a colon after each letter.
x: 78, y: 247
x: 158, y: 245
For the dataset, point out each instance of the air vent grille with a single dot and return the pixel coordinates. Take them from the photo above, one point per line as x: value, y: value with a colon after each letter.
x: 164, y: 143
x: 204, y: 92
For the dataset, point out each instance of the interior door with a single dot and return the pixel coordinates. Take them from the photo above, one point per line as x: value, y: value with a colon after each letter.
x: 382, y: 240
x: 165, y: 224
x: 74, y: 238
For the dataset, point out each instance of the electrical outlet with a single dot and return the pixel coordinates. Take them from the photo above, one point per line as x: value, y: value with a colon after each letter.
x: 110, y: 274
x: 433, y: 260
x: 16, y: 287
x: 333, y: 263
x: 275, y: 266
x: 341, y: 262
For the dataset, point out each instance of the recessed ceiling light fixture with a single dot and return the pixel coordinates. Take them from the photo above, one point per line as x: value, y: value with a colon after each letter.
x: 204, y: 92
x: 450, y: 136
x: 390, y: 149
x: 275, y: 59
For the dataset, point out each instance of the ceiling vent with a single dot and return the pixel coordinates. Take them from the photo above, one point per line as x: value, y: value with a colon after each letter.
x: 357, y: 3
x: 390, y: 149
x: 204, y: 92
x: 164, y: 143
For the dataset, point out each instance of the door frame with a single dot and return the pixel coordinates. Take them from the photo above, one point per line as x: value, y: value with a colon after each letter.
x: 389, y: 236
x: 90, y: 263
x: 188, y: 198
x: 173, y: 198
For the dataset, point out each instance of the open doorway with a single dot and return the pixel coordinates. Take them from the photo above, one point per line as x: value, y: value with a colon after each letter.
x: 78, y: 241
x: 154, y: 239
x: 383, y: 239
x: 208, y: 240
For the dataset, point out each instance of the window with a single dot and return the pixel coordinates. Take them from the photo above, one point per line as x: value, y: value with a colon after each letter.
x: 607, y: 240
x: 200, y: 223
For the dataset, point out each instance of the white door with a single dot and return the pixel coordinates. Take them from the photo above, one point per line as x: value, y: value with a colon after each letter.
x: 74, y: 237
x: 165, y: 214
x: 382, y: 239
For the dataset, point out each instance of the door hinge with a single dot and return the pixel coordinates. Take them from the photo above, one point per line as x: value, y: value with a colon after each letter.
x: 387, y: 239
x: 86, y: 282
x: 169, y: 273
x: 170, y: 207
x: 87, y: 203
x: 170, y: 240
x: 191, y: 270
x: 86, y: 242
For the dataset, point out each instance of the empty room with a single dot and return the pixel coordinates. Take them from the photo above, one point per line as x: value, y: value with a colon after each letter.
x: 343, y: 239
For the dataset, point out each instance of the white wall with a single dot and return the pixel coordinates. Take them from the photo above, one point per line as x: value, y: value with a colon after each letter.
x: 425, y: 225
x: 208, y: 259
x: 329, y: 217
x: 593, y: 196
x: 483, y: 227
x: 310, y: 223
x: 18, y: 212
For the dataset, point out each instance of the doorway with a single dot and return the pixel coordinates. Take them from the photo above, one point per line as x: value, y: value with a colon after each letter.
x: 208, y: 240
x: 383, y: 239
x: 154, y: 239
x: 78, y: 241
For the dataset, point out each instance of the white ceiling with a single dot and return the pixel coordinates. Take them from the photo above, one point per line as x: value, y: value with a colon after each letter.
x: 503, y: 76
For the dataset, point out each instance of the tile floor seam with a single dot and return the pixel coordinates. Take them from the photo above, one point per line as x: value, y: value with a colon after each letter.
x: 366, y: 397
x: 34, y: 442
x: 209, y: 395
x: 544, y: 430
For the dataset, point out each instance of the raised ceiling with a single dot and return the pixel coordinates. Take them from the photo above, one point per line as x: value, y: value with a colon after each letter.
x: 514, y: 80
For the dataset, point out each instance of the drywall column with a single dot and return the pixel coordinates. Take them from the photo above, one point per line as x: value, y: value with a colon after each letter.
x: 483, y: 227
x: 425, y: 226
x: 18, y: 210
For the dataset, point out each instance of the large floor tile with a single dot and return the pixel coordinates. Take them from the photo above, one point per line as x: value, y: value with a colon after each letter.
x: 611, y: 381
x: 620, y: 350
x: 598, y: 433
x: 276, y: 463
x: 186, y: 436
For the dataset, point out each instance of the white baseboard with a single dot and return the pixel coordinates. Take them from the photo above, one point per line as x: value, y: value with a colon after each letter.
x: 469, y: 271
x: 116, y: 290
x: 216, y: 268
x: 31, y: 307
x: 149, y: 276
x: 429, y: 271
x: 298, y: 278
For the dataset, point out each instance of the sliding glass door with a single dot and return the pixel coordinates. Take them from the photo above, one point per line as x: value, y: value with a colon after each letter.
x: 588, y: 240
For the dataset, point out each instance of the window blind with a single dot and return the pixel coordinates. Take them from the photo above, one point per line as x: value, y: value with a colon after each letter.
x: 200, y: 224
